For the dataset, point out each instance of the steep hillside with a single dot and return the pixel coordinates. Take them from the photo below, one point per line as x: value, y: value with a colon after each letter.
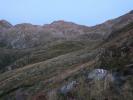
x: 66, y: 61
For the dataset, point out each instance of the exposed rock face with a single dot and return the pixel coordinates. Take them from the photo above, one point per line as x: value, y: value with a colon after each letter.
x: 67, y: 29
x: 27, y: 35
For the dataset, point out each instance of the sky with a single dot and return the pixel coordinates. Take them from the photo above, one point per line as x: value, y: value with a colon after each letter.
x: 84, y: 12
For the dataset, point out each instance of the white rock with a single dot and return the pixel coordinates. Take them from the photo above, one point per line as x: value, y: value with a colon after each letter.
x: 97, y: 74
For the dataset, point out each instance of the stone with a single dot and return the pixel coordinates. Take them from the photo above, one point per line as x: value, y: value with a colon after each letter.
x: 97, y: 74
x: 68, y: 87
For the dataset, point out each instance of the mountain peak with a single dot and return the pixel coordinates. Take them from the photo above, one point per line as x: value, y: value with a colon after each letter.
x: 23, y: 25
x: 131, y: 12
x: 61, y: 22
x: 5, y: 24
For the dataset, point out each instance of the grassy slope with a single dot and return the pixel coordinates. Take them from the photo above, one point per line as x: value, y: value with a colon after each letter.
x: 55, y: 59
x: 7, y: 56
x: 30, y: 76
x: 43, y: 53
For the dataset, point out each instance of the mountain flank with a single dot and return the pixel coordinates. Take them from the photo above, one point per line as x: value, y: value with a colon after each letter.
x: 67, y: 61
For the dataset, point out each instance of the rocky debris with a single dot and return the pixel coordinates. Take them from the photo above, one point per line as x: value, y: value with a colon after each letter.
x: 97, y: 74
x: 116, y: 78
x: 68, y: 87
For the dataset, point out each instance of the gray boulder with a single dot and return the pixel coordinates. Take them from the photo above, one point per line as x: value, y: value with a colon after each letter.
x: 68, y: 87
x: 97, y: 74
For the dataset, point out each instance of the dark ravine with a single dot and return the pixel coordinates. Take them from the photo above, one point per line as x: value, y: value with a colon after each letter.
x: 67, y: 61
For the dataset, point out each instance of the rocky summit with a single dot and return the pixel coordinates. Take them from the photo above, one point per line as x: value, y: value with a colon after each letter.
x: 67, y: 61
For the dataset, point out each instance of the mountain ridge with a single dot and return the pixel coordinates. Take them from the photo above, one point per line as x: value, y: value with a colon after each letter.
x: 26, y: 35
